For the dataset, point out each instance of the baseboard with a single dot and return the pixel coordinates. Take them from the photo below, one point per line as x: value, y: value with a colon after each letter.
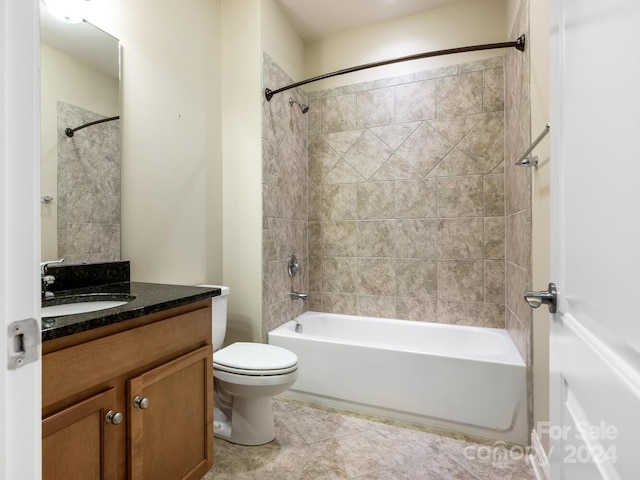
x: 538, y: 458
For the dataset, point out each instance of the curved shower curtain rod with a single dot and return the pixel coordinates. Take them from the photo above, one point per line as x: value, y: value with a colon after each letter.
x: 519, y: 44
x: 70, y: 131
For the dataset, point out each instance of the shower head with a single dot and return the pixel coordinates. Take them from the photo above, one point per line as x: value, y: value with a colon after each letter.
x: 303, y: 108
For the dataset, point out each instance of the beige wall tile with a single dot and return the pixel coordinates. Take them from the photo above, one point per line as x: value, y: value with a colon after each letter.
x: 493, y: 94
x: 454, y: 164
x: 455, y: 129
x: 460, y: 238
x: 376, y: 276
x: 421, y: 309
x: 339, y: 113
x: 517, y: 282
x: 424, y: 149
x: 518, y: 334
x: 493, y: 186
x: 518, y: 237
x: 494, y: 281
x: 322, y: 159
x: 494, y: 315
x: 376, y: 238
x: 339, y: 238
x: 461, y: 280
x: 339, y: 274
x: 341, y: 142
x: 416, y: 278
x: 375, y: 107
x: 460, y: 94
x: 339, y: 202
x: 315, y: 238
x: 494, y: 237
x: 367, y: 154
x: 460, y: 313
x: 376, y: 306
x: 395, y: 135
x: 416, y: 238
x: 415, y: 101
x: 415, y: 198
x: 376, y: 200
x: 460, y: 196
x: 485, y: 143
x: 395, y: 169
x: 315, y: 274
x: 339, y: 303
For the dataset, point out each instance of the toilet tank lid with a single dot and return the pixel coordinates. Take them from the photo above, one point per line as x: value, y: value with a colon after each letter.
x: 224, y: 291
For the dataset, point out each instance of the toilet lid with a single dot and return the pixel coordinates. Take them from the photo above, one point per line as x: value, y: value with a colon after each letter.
x: 255, y: 359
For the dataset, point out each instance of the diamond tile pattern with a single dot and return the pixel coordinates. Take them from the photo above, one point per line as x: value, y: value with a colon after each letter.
x: 425, y: 156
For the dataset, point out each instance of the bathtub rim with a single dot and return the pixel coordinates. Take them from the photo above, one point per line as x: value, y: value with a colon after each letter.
x: 513, y: 357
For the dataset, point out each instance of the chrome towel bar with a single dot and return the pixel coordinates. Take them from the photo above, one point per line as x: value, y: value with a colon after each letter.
x: 525, y: 160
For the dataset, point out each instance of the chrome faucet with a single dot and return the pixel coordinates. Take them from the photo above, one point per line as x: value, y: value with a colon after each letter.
x: 299, y: 296
x: 47, y: 279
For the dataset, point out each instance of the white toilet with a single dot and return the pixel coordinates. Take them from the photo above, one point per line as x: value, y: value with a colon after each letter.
x: 246, y: 376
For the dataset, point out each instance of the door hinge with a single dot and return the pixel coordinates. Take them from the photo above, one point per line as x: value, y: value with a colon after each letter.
x: 23, y: 341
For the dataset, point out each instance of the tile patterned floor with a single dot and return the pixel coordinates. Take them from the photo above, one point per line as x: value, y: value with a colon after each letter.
x: 319, y: 443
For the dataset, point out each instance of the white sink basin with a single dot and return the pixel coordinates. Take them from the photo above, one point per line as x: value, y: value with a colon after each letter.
x: 85, y: 304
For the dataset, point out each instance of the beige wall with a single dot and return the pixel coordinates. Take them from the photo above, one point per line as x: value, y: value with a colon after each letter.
x: 67, y: 79
x: 540, y: 222
x: 242, y: 166
x: 467, y: 22
x: 171, y: 154
x: 281, y: 42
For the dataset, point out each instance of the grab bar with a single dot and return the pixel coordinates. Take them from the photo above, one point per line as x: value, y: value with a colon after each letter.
x: 524, y: 160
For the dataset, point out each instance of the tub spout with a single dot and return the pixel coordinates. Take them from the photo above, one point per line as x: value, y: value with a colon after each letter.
x: 298, y: 296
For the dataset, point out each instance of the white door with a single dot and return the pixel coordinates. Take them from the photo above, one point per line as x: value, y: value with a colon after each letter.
x: 595, y: 157
x: 20, y: 397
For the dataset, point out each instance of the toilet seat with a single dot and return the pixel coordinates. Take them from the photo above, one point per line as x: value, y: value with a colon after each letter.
x: 256, y: 359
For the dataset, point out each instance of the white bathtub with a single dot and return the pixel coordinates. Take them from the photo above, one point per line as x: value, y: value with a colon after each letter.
x: 466, y: 379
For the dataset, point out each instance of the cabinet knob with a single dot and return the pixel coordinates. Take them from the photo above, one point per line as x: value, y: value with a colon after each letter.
x: 113, y: 418
x: 141, y: 402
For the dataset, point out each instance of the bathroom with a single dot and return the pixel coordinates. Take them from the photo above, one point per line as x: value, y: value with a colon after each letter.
x: 194, y: 200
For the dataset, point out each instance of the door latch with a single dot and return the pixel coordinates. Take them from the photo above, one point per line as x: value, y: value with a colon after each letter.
x: 23, y: 341
x: 550, y: 298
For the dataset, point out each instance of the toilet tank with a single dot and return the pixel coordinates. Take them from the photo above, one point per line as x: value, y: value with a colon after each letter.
x: 219, y: 315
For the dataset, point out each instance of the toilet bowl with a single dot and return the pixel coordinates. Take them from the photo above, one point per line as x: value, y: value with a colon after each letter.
x: 246, y: 376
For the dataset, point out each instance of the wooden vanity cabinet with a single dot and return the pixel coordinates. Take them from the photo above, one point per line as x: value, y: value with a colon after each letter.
x: 75, y: 442
x: 132, y: 400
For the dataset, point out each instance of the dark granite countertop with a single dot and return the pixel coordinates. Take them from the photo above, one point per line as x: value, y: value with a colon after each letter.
x: 149, y: 298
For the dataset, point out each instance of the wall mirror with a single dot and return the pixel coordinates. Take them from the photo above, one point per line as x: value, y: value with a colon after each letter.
x: 80, y: 175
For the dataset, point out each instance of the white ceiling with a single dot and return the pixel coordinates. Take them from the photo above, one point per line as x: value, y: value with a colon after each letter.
x: 314, y: 19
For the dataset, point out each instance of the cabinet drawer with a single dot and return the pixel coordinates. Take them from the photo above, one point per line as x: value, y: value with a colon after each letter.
x: 75, y: 369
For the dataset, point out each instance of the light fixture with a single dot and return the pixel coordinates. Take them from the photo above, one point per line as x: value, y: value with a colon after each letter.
x: 69, y: 11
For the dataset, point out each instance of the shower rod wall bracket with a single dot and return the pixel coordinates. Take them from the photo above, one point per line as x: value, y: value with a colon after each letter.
x: 518, y: 44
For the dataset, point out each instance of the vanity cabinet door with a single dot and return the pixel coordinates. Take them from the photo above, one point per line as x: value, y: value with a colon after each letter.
x: 79, y: 443
x: 171, y: 419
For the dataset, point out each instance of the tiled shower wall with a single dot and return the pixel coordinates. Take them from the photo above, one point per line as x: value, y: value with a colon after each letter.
x: 406, y: 197
x: 284, y: 178
x: 518, y: 190
x: 88, y: 187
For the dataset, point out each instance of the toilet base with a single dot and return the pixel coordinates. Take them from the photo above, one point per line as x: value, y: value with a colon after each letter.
x: 251, y: 422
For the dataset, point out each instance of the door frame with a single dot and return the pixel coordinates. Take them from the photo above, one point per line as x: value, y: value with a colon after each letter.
x: 20, y: 402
